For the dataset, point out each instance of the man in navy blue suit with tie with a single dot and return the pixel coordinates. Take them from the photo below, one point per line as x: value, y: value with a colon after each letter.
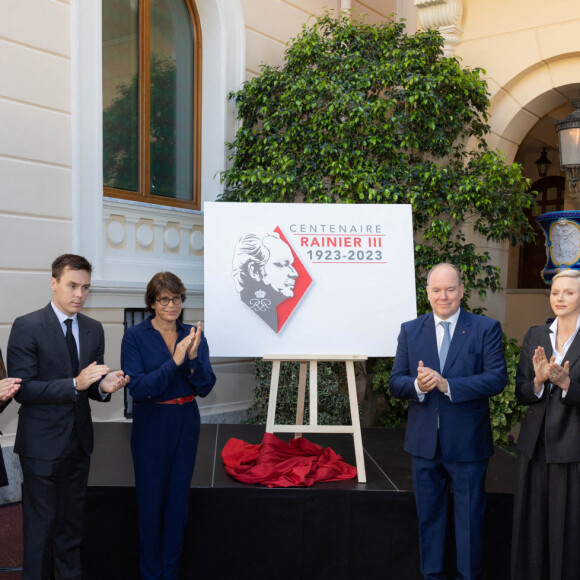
x: 57, y: 352
x: 448, y: 364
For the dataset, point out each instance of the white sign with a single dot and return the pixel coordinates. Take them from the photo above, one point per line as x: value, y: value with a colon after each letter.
x: 306, y: 279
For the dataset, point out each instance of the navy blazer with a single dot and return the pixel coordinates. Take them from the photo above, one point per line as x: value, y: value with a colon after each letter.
x: 49, y: 404
x: 154, y: 375
x: 476, y: 370
x: 561, y: 415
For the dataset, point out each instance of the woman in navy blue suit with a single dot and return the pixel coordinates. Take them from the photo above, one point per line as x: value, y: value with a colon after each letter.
x: 169, y: 367
x: 546, y: 527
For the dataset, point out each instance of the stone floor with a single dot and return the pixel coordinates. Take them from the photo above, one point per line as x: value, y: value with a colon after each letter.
x: 10, y: 539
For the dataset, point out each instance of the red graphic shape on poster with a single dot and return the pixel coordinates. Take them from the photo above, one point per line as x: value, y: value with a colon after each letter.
x: 285, y: 309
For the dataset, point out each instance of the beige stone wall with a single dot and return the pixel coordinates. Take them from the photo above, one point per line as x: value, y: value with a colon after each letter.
x: 497, y: 18
x: 525, y: 308
x: 35, y: 156
x: 529, y: 50
x: 271, y: 24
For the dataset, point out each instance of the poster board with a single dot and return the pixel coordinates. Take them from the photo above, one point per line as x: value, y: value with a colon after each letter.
x: 307, y: 278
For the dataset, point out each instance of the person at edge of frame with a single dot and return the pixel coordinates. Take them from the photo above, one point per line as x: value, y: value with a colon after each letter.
x: 58, y: 353
x: 448, y: 364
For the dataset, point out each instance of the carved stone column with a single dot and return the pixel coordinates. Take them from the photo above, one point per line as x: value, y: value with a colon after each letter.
x: 445, y: 16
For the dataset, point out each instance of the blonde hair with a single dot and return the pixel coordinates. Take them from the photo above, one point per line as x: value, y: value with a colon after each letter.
x: 569, y: 273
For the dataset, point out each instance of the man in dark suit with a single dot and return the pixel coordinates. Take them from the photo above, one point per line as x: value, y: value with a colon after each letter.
x: 58, y: 354
x: 448, y: 363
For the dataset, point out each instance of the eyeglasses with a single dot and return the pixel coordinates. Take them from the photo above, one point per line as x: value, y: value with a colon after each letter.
x: 177, y: 300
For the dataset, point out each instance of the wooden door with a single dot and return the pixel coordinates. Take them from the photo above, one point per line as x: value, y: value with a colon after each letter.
x: 533, y: 255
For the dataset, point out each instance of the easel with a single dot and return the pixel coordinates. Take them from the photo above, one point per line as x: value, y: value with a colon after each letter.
x: 314, y: 427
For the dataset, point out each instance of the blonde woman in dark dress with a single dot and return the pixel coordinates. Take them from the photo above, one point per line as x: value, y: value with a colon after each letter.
x: 546, y: 526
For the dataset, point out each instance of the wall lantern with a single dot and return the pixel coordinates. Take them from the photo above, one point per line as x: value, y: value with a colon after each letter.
x: 543, y: 163
x: 569, y: 136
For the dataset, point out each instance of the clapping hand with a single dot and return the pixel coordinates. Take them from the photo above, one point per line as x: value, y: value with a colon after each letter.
x: 194, y: 344
x: 114, y: 381
x: 8, y: 388
x: 428, y: 379
x: 541, y: 364
x: 188, y: 345
x: 89, y: 375
x: 559, y: 375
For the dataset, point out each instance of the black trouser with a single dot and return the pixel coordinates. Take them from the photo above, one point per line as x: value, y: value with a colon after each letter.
x: 53, y: 510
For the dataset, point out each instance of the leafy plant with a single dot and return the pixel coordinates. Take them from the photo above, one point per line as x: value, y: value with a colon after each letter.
x: 364, y: 113
x: 504, y: 408
x: 395, y: 411
x: 333, y: 403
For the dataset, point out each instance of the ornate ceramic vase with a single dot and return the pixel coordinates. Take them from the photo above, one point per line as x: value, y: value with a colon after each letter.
x: 562, y: 231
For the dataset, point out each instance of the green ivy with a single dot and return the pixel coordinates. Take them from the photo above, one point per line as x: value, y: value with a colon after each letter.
x: 395, y: 412
x: 366, y: 113
x: 362, y: 113
x: 333, y: 402
x: 504, y: 408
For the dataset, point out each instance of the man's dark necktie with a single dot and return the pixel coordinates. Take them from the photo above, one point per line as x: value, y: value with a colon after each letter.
x: 72, y: 346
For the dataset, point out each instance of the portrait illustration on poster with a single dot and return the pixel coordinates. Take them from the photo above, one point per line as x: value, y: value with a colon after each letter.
x: 269, y: 277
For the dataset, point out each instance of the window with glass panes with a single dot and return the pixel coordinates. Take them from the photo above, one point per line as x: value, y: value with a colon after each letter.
x: 151, y: 101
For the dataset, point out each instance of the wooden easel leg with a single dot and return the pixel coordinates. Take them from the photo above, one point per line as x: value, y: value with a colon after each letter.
x: 358, y: 448
x: 273, y: 396
x: 313, y: 392
x: 301, y: 397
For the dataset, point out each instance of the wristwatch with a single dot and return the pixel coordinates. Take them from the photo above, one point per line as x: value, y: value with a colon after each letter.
x: 75, y: 384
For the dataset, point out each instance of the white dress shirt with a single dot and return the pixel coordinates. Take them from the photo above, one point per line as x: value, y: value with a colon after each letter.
x: 439, y: 333
x: 75, y: 330
x: 75, y: 324
x: 560, y: 355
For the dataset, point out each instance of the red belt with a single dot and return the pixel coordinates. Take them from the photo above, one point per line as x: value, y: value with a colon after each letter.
x: 178, y: 401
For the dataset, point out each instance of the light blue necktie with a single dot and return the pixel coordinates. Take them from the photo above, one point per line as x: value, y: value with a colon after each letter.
x: 445, y: 344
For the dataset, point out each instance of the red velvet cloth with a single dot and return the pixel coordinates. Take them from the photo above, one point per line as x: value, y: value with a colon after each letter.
x: 275, y: 463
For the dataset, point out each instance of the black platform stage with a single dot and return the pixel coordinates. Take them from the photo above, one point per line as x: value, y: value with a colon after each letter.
x: 332, y: 531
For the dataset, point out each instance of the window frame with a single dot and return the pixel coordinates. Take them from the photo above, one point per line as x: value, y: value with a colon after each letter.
x: 144, y: 162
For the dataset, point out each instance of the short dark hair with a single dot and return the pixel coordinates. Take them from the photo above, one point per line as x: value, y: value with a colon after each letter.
x: 71, y: 261
x: 162, y: 281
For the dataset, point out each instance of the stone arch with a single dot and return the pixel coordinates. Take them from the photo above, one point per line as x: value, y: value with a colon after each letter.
x: 516, y: 105
x: 522, y: 101
x: 540, y: 89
